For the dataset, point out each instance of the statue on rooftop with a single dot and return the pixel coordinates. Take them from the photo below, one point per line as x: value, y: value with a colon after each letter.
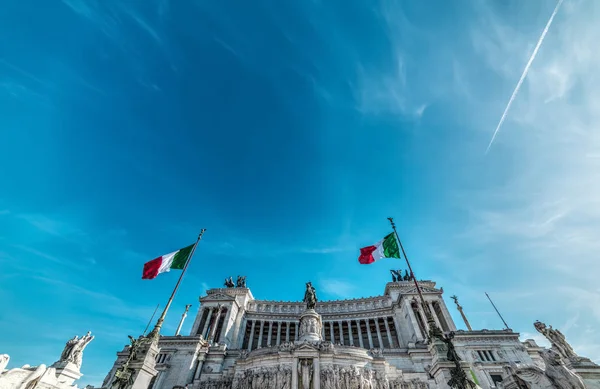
x: 557, y: 339
x: 396, y: 275
x: 68, y: 350
x: 73, y: 351
x: 310, y: 296
x: 241, y: 282
x: 134, y: 347
x: 229, y: 282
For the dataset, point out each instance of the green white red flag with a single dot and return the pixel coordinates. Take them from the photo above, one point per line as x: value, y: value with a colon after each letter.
x: 385, y: 248
x: 164, y: 263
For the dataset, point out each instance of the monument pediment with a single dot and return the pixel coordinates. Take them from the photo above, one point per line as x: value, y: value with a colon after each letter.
x: 217, y: 297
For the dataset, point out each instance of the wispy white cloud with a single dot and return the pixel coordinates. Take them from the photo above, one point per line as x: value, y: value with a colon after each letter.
x: 524, y: 74
x: 42, y: 254
x: 540, y: 214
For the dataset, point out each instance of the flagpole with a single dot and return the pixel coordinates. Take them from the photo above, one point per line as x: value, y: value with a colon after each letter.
x: 150, y: 321
x: 498, y: 312
x: 433, y: 329
x: 154, y: 334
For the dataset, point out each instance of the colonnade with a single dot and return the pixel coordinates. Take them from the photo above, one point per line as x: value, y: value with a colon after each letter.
x: 379, y: 332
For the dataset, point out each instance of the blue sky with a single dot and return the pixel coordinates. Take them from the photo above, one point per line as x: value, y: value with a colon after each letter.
x: 291, y: 130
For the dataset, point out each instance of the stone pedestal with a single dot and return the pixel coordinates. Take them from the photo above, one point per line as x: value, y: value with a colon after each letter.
x: 144, y: 366
x: 310, y: 326
x: 66, y: 372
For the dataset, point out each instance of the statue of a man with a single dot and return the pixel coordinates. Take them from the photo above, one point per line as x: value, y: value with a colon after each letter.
x: 134, y: 347
x: 557, y: 339
x: 451, y: 355
x: 68, y: 350
x: 77, y: 352
x: 310, y: 296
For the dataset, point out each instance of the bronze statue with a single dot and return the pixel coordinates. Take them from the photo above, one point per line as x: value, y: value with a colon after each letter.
x: 451, y: 355
x: 310, y: 296
x: 241, y: 282
x: 134, y: 347
x: 396, y: 275
x: 229, y: 282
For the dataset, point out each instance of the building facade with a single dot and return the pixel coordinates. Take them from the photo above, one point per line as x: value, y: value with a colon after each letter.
x: 238, y: 341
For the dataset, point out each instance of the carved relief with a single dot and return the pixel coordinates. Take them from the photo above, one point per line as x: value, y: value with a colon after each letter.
x: 326, y: 347
x: 279, y: 377
x: 352, y: 377
x: 219, y: 383
x: 413, y: 384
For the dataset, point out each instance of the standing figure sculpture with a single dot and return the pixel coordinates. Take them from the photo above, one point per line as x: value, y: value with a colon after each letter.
x: 73, y: 351
x: 68, y: 350
x: 557, y: 339
x: 310, y: 296
x: 134, y: 347
x: 305, y: 368
x: 77, y: 350
x: 451, y: 355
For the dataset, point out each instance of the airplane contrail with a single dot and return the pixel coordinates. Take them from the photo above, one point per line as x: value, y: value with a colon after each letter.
x: 525, y: 71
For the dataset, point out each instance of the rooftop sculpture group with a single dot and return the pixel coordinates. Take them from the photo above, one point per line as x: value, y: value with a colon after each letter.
x: 558, y: 341
x: 397, y: 275
x: 240, y: 283
x: 73, y: 351
x: 124, y: 375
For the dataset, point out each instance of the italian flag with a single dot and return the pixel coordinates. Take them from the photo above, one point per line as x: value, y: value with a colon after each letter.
x: 385, y: 248
x: 175, y: 260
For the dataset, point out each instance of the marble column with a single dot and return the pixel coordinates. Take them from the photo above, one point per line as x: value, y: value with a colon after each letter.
x: 317, y: 373
x: 369, y: 335
x: 296, y: 334
x: 201, y: 359
x: 207, y: 322
x: 260, y: 334
x: 287, y: 331
x: 378, y: 332
x: 415, y: 323
x: 295, y: 373
x: 350, y: 337
x: 251, y: 335
x: 269, y: 334
x: 241, y: 334
x: 397, y: 327
x: 387, y: 329
x: 278, y: 333
x: 213, y: 330
x: 424, y: 318
x: 435, y: 318
x: 360, y: 339
x: 332, y: 332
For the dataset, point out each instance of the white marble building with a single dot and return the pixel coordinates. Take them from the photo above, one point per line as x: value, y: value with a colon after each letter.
x: 238, y: 341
